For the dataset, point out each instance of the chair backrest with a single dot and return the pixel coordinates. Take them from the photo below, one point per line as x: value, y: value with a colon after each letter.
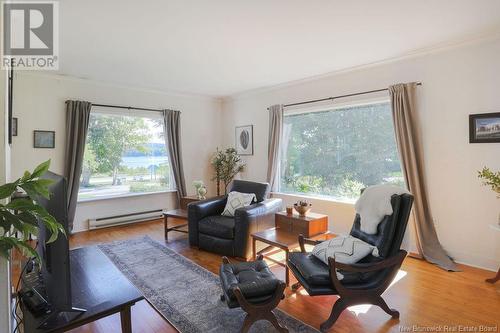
x: 391, y: 229
x: 261, y: 190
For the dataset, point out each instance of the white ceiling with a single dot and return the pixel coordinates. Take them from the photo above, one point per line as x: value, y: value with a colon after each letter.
x: 223, y: 47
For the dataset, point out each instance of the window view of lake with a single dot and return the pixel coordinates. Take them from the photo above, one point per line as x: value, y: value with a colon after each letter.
x: 124, y: 155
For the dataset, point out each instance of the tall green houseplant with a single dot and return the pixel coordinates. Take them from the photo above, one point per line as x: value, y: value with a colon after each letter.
x: 491, y: 179
x: 21, y: 216
x: 227, y: 164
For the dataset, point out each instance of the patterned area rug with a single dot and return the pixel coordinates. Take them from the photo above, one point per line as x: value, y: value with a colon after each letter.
x: 186, y: 294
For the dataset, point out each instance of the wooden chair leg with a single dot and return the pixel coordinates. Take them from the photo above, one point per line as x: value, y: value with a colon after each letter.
x: 383, y: 305
x: 339, y: 306
x: 261, y: 311
x: 271, y: 317
x: 247, y: 323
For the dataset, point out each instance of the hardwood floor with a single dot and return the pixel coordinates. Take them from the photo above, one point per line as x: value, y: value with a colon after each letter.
x: 424, y: 294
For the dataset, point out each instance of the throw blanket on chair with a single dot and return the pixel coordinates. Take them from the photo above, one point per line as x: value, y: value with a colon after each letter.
x: 374, y: 204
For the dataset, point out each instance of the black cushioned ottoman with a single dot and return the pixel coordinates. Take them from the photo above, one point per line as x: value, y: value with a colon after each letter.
x: 253, y: 287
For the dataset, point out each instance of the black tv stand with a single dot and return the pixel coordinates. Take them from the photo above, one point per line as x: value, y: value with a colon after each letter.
x: 60, y: 318
x: 97, y: 286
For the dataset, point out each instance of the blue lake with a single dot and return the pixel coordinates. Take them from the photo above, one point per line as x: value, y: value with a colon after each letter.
x: 143, y: 161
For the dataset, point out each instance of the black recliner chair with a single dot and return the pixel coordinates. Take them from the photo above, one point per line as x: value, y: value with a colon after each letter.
x: 365, y: 281
x: 230, y: 236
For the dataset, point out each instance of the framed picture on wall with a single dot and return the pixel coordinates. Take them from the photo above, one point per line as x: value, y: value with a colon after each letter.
x: 484, y: 127
x: 44, y: 139
x: 244, y: 140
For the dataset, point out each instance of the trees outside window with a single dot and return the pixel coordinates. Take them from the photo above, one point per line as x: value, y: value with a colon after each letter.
x: 337, y: 152
x: 123, y: 155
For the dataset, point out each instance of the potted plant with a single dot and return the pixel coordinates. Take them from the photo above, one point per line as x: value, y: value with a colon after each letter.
x: 491, y: 179
x: 226, y: 164
x: 200, y: 188
x: 19, y: 218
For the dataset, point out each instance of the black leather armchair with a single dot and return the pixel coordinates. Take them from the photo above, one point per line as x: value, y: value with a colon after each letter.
x: 210, y: 231
x: 365, y: 281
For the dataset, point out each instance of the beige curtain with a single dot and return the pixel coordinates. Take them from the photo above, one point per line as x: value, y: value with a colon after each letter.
x: 410, y: 150
x: 172, y: 127
x: 274, y: 145
x: 77, y: 124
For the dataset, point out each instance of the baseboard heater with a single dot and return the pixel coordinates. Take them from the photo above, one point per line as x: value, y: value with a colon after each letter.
x: 111, y: 221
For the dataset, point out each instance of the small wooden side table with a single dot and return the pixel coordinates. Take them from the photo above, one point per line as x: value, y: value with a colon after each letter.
x: 178, y: 214
x: 310, y: 225
x: 281, y: 239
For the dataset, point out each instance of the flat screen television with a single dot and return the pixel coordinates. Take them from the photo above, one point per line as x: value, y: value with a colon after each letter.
x: 55, y: 268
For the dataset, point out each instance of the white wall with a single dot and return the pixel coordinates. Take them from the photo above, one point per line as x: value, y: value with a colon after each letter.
x: 39, y: 104
x: 456, y: 82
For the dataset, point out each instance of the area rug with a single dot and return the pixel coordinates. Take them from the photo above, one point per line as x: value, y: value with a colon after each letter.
x: 186, y: 294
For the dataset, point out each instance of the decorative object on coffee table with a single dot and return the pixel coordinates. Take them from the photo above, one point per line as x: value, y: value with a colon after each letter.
x: 244, y: 140
x: 254, y: 288
x: 302, y: 207
x: 44, y: 139
x: 285, y: 239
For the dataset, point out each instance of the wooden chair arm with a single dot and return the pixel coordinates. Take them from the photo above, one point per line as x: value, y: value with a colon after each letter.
x: 394, y: 261
x: 369, y: 267
x: 303, y: 241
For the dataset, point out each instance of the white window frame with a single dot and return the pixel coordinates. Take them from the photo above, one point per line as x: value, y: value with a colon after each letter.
x: 131, y: 113
x: 322, y: 108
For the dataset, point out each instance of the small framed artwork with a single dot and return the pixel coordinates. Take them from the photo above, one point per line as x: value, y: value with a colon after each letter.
x: 484, y: 127
x: 44, y: 139
x: 244, y: 140
x: 14, y: 127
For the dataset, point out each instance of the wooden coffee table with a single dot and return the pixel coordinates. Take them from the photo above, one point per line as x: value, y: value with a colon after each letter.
x: 283, y: 240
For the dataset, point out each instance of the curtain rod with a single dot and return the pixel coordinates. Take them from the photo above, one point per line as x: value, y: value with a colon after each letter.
x: 340, y: 96
x: 126, y: 107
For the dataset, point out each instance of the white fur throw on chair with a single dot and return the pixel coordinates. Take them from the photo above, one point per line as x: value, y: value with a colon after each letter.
x: 374, y: 204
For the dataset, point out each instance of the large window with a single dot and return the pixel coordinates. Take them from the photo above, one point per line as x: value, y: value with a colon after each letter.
x: 124, y: 155
x: 337, y: 152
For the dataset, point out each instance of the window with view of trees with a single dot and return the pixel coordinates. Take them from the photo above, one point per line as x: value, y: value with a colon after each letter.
x: 124, y: 155
x: 338, y: 152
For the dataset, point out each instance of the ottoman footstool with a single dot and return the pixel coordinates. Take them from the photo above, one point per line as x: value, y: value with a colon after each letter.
x: 254, y: 288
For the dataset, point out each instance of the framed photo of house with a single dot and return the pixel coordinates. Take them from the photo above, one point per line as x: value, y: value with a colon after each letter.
x: 244, y: 140
x: 484, y: 127
x: 44, y: 139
